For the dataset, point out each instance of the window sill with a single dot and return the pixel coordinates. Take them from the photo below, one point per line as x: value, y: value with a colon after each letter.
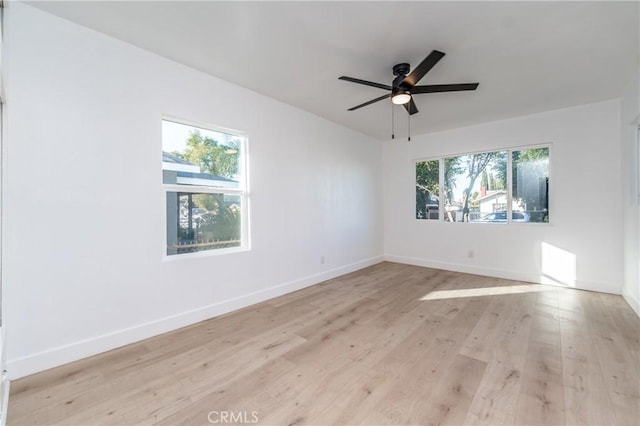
x: 204, y: 254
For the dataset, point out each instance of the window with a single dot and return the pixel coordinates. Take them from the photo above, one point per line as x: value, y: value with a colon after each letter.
x: 427, y: 189
x: 203, y: 175
x: 476, y: 187
x: 530, y: 183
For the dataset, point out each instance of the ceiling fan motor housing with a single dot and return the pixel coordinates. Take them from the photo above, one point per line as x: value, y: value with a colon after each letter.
x: 401, y: 69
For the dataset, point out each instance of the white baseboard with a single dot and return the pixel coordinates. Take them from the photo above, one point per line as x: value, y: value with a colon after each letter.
x: 57, y: 356
x: 497, y: 273
x: 632, y: 301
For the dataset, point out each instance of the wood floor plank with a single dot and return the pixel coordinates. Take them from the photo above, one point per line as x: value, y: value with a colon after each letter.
x: 389, y: 344
x: 495, y: 401
x: 452, y: 396
x: 419, y: 362
x: 244, y: 395
x: 193, y: 370
x: 541, y: 399
x: 586, y: 396
x: 622, y: 382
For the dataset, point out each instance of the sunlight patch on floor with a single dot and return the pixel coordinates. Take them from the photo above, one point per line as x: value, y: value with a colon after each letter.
x: 559, y: 265
x: 485, y: 291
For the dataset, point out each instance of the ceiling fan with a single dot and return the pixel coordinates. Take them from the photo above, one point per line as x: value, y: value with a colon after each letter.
x: 404, y: 86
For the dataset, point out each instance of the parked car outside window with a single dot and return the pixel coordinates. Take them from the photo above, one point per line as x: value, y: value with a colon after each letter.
x: 502, y: 217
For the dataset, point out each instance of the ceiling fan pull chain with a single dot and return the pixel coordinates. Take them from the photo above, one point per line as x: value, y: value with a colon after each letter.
x: 393, y: 133
x: 409, y: 133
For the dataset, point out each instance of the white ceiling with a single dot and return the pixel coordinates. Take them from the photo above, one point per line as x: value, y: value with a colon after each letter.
x: 528, y: 57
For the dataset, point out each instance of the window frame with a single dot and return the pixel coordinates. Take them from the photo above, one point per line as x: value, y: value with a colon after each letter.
x: 509, y: 188
x: 242, y: 191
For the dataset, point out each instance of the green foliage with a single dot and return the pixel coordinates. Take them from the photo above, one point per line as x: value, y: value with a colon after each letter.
x: 427, y: 175
x: 452, y: 168
x: 499, y: 166
x: 528, y: 158
x: 224, y: 225
x: 222, y: 220
x: 484, y: 180
x: 531, y: 154
x: 427, y: 186
x: 213, y: 158
x: 208, y: 202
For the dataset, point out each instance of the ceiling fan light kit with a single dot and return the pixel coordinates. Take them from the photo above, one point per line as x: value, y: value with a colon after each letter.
x: 404, y: 85
x: 401, y: 97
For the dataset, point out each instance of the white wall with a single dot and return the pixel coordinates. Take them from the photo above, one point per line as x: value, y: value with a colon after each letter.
x: 84, y: 203
x: 585, y: 197
x: 629, y: 121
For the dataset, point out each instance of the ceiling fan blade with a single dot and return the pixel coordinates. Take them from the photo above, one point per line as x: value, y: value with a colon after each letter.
x: 365, y: 82
x: 370, y: 102
x: 414, y: 77
x: 435, y: 88
x: 411, y: 107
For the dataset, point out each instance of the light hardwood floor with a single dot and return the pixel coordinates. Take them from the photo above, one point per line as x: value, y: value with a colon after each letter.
x: 390, y: 344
